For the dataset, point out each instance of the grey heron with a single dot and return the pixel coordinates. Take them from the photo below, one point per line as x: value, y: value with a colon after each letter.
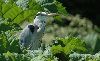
x: 32, y: 33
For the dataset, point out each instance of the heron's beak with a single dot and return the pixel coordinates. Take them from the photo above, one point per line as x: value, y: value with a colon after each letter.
x: 53, y: 14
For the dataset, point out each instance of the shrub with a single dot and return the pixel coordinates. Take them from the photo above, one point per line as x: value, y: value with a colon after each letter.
x: 65, y: 46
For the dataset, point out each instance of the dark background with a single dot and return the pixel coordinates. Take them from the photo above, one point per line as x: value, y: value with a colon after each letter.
x: 86, y: 8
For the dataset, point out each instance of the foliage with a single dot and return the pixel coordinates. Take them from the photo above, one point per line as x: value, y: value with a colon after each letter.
x: 67, y: 46
x: 9, y: 41
x: 23, y: 4
x: 60, y: 8
x: 47, y: 5
x: 84, y: 57
x: 20, y: 10
x: 46, y: 55
x: 17, y: 10
x: 8, y: 56
x: 14, y: 12
x: 36, y: 55
x: 77, y: 27
x: 7, y: 24
x: 84, y: 29
x: 54, y: 4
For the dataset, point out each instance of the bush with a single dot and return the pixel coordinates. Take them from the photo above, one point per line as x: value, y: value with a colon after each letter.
x: 84, y: 57
x: 65, y: 46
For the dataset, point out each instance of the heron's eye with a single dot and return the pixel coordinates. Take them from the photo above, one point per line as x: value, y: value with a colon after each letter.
x: 37, y: 27
x: 43, y: 21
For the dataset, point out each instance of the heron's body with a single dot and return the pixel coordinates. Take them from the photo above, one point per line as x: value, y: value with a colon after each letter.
x: 32, y: 40
x: 25, y: 37
x: 31, y: 34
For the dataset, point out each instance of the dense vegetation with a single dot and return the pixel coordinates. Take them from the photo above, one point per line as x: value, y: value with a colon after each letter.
x: 73, y: 38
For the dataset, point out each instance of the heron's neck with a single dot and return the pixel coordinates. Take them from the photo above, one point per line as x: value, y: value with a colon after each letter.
x: 39, y: 21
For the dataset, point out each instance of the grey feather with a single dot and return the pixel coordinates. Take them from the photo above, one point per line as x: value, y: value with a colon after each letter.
x: 31, y: 35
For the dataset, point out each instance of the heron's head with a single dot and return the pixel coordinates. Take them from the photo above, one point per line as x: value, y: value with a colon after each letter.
x: 42, y: 16
x: 45, y: 15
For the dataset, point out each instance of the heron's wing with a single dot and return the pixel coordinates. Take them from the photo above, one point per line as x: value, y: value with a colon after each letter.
x: 25, y: 37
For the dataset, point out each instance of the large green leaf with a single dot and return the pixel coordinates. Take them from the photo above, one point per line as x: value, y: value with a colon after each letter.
x: 6, y: 7
x: 13, y: 12
x: 1, y: 7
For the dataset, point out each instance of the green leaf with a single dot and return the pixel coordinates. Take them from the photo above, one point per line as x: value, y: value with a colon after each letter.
x: 70, y: 44
x: 13, y: 12
x: 6, y: 7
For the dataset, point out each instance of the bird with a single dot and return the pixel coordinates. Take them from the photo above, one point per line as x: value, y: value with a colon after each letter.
x: 31, y: 35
